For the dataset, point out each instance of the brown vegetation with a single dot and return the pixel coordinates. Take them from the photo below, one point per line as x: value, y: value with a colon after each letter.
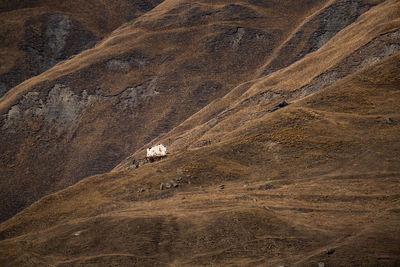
x: 261, y: 183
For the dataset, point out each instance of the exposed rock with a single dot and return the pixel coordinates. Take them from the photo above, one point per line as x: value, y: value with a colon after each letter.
x: 168, y: 185
x: 143, y: 161
x: 131, y: 168
x: 244, y: 197
x: 321, y: 264
x: 78, y: 233
x: 115, y: 65
x: 326, y: 24
x: 237, y: 38
x: 389, y: 120
x: 57, y: 31
x: 330, y: 251
x: 162, y: 186
x: 175, y: 185
x: 377, y: 49
x: 266, y: 187
x: 44, y: 40
x: 280, y: 105
x: 141, y: 190
x: 132, y: 96
x: 134, y: 165
x: 12, y: 118
x: 61, y: 107
x: 222, y: 186
x: 53, y: 31
x: 178, y: 179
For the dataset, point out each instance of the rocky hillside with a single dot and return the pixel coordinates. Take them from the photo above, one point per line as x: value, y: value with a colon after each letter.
x: 144, y: 79
x: 303, y: 185
x: 281, y: 119
x: 37, y: 34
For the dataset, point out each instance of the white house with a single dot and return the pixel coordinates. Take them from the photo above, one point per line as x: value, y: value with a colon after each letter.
x: 157, y: 151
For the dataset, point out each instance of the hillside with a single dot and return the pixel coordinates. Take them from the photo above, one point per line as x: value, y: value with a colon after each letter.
x: 282, y: 123
x: 323, y: 181
x: 145, y: 78
x: 37, y: 34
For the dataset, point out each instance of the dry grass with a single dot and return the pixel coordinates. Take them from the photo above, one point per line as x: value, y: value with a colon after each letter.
x: 320, y: 173
x: 334, y: 174
x: 188, y: 58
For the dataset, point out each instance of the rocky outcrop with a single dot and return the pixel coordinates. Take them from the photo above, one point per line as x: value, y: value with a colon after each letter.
x: 47, y: 40
x: 52, y: 32
x: 61, y: 107
x: 374, y: 51
x: 317, y: 31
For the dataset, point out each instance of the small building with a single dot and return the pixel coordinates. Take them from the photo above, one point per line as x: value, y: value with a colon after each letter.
x: 157, y: 151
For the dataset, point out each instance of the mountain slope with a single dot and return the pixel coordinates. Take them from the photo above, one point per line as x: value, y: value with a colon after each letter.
x: 36, y: 35
x: 321, y: 173
x: 145, y: 78
x: 368, y: 40
x: 259, y: 181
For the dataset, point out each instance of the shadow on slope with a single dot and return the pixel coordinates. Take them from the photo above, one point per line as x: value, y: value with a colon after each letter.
x: 36, y: 35
x: 85, y: 114
x: 332, y: 160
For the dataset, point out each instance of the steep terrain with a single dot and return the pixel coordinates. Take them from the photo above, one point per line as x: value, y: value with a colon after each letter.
x: 368, y: 40
x: 146, y: 77
x: 282, y: 122
x: 309, y: 177
x: 37, y: 34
